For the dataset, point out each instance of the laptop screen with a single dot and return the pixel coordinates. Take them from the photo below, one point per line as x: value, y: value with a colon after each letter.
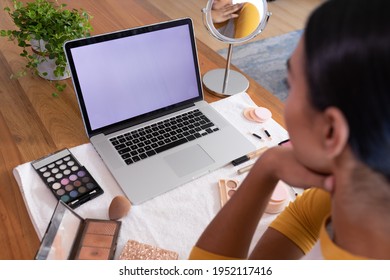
x: 130, y: 74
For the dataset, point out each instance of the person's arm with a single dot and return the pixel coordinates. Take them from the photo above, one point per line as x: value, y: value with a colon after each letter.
x: 231, y: 231
x: 223, y: 13
x: 274, y: 245
x: 295, y: 231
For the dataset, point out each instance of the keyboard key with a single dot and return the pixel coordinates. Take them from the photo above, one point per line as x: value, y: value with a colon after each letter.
x: 143, y: 156
x: 207, y: 125
x: 140, y: 145
x: 134, y: 147
x: 170, y: 145
x: 123, y: 151
x: 125, y: 156
x: 151, y: 153
x: 120, y: 146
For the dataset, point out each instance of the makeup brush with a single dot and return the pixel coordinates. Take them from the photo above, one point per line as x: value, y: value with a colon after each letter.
x: 249, y: 156
x: 119, y: 207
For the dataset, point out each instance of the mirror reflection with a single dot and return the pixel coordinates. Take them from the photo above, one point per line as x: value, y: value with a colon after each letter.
x: 236, y: 19
x: 232, y: 22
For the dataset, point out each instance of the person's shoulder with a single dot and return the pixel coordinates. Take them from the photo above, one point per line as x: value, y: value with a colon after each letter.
x: 316, y: 193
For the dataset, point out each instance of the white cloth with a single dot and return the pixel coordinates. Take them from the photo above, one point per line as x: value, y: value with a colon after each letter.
x: 172, y: 221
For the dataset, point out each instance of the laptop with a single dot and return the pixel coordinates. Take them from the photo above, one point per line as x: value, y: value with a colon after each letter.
x: 140, y: 95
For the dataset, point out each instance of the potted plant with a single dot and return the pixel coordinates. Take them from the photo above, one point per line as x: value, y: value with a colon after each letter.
x: 42, y: 28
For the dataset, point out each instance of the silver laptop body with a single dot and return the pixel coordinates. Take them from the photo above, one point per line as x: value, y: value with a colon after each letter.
x: 137, y: 84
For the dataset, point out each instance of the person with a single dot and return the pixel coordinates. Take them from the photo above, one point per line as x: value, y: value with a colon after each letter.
x: 338, y: 121
x: 235, y: 20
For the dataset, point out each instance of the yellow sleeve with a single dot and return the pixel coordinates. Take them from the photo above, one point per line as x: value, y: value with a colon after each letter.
x: 200, y: 254
x: 301, y: 220
x: 247, y: 21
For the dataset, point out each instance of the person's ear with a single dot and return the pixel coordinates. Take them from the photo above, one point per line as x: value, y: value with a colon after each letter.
x: 336, y: 132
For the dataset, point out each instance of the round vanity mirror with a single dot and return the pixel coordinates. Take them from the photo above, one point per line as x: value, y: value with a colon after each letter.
x: 232, y: 22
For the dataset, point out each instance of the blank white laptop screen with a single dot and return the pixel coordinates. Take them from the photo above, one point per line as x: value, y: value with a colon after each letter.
x: 112, y: 74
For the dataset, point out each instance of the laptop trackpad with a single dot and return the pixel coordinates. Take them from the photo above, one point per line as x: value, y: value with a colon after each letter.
x: 189, y: 160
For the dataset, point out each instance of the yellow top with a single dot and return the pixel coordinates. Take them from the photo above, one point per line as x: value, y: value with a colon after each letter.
x: 305, y: 222
x: 246, y: 23
x: 302, y: 219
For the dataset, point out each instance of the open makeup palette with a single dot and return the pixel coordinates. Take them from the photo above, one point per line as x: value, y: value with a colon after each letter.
x: 66, y: 178
x: 69, y: 236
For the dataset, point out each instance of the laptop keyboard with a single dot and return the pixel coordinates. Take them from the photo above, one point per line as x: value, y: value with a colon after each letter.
x: 153, y: 139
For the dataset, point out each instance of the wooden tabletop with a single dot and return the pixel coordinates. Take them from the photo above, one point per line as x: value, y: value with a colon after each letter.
x: 33, y: 123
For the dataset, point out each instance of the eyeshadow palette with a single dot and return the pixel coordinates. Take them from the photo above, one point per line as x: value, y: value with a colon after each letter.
x: 98, y: 240
x: 69, y: 236
x: 66, y: 178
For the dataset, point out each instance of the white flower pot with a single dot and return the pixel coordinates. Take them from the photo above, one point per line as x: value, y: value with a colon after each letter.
x: 46, y: 64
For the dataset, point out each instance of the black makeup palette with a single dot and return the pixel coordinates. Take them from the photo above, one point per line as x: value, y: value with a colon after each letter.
x: 66, y: 178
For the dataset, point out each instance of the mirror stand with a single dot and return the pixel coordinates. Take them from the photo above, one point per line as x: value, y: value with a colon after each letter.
x: 246, y: 20
x: 225, y: 82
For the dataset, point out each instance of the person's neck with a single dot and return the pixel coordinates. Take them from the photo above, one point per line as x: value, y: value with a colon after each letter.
x: 360, y: 210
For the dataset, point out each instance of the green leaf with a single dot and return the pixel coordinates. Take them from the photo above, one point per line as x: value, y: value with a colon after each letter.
x: 60, y: 87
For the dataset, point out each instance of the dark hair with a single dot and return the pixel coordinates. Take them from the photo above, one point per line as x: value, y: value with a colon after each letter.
x: 347, y: 45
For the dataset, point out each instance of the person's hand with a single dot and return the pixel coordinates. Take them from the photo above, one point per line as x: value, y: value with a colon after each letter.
x: 222, y: 13
x: 284, y: 165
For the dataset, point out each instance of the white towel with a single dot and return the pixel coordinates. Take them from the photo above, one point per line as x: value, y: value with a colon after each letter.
x: 172, y: 221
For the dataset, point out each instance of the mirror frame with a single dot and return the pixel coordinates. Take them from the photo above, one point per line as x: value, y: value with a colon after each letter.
x: 208, y: 22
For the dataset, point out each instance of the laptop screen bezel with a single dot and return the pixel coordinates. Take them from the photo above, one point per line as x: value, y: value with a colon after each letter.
x: 69, y: 45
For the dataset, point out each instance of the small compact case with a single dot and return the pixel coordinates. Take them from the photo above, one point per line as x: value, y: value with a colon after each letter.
x: 276, y: 204
x: 66, y: 178
x: 69, y: 236
x: 227, y: 187
x: 279, y: 199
